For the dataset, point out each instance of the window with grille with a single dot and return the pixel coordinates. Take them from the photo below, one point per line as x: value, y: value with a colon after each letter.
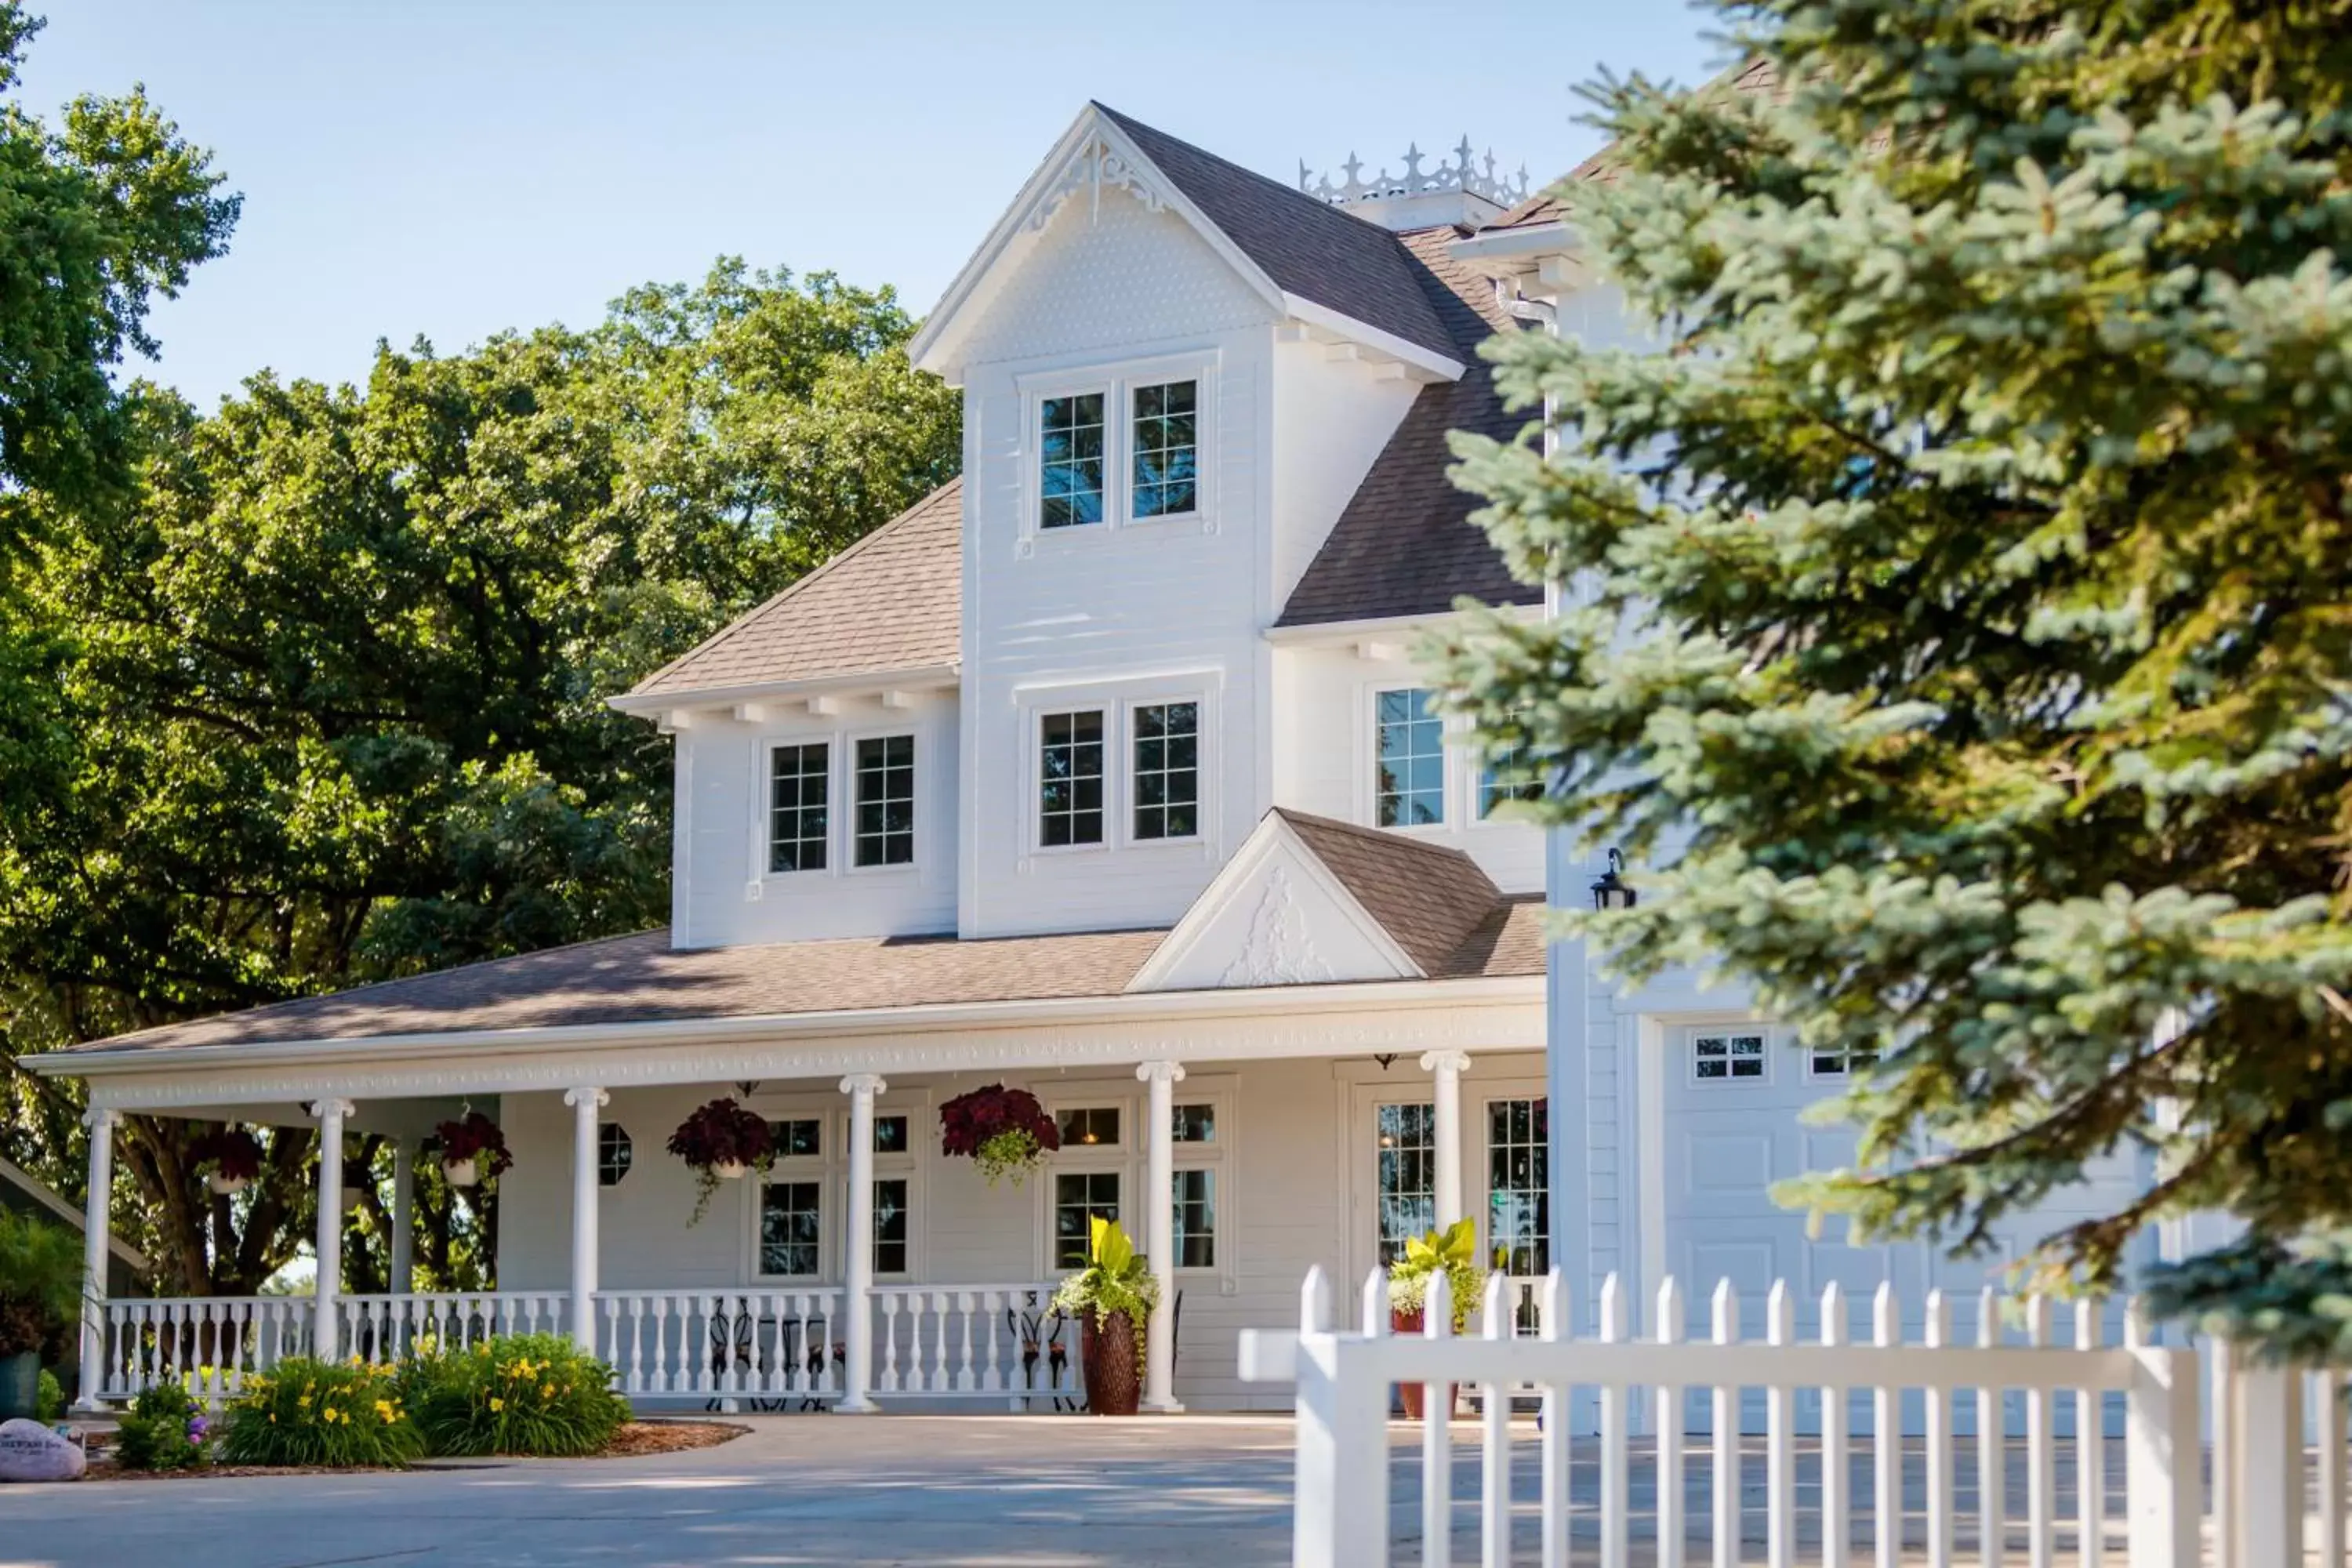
x: 1167, y: 450
x: 1518, y: 1185
x: 801, y: 1137
x: 1195, y: 1124
x: 1724, y: 1056
x: 615, y: 1154
x: 886, y: 801
x: 792, y: 1223
x: 1080, y: 1198
x: 1070, y: 461
x: 796, y: 808
x: 1168, y: 770
x: 1070, y: 771
x: 1088, y: 1126
x: 1509, y: 778
x: 1406, y: 1138
x: 893, y: 1135
x: 1409, y: 753
x: 1840, y: 1061
x: 1195, y: 1203
x: 890, y: 1225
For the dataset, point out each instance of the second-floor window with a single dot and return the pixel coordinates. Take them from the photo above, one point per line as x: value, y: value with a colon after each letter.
x: 1070, y: 458
x: 799, y: 776
x: 886, y: 801
x: 1167, y: 449
x: 1409, y: 750
x: 1070, y: 778
x: 1168, y: 770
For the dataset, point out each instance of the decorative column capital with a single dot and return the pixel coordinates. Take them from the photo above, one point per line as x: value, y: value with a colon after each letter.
x: 1161, y: 1072
x: 320, y: 1109
x: 866, y: 1084
x: 587, y: 1095
x: 104, y: 1116
x: 1445, y: 1062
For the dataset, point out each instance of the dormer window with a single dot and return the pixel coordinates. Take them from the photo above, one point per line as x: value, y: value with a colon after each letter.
x: 798, y: 780
x: 1070, y: 455
x: 1167, y: 449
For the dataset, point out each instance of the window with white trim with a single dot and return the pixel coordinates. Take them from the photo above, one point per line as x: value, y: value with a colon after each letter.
x: 1512, y: 777
x: 799, y: 783
x: 1070, y: 461
x: 1409, y: 752
x: 1839, y: 1061
x: 886, y: 801
x: 1165, y: 466
x: 1167, y: 775
x: 1081, y: 1197
x: 1088, y: 1126
x: 1193, y: 1204
x: 1405, y: 1151
x: 1518, y: 1185
x: 893, y: 1214
x: 1723, y: 1056
x: 791, y: 1228
x: 615, y: 1152
x: 1070, y: 778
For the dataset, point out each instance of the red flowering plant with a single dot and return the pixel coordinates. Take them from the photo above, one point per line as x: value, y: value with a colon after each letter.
x: 721, y: 1139
x: 474, y: 1146
x: 228, y: 1157
x: 1005, y: 1129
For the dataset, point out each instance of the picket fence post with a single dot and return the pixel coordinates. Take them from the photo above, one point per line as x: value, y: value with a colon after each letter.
x: 2164, y: 1478
x: 1340, y: 1516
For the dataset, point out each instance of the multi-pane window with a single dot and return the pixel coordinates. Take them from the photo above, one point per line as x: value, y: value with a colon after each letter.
x: 1195, y: 1204
x: 1717, y: 1058
x: 1167, y: 449
x: 890, y: 1225
x: 892, y: 1135
x: 1518, y: 1185
x: 1195, y: 1124
x: 1070, y: 461
x: 796, y: 808
x: 1407, y: 1137
x: 1840, y: 1061
x: 790, y: 1224
x: 886, y: 800
x: 1088, y: 1126
x: 1070, y: 775
x: 1411, y: 755
x: 801, y: 1136
x: 615, y: 1154
x: 1081, y: 1197
x: 1510, y: 777
x: 1168, y: 770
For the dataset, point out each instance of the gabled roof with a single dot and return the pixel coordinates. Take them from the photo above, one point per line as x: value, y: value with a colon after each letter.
x: 1427, y: 897
x: 893, y: 601
x: 1405, y: 544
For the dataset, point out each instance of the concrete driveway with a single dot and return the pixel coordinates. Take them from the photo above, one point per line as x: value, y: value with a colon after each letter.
x: 1030, y: 1492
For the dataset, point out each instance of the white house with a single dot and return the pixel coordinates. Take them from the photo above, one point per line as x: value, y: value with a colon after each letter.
x: 1105, y: 772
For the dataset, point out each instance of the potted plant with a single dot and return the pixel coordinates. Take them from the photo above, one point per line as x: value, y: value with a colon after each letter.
x: 229, y: 1157
x: 1453, y: 1252
x: 718, y: 1143
x: 1005, y: 1129
x: 40, y: 1299
x: 1112, y: 1298
x: 472, y: 1150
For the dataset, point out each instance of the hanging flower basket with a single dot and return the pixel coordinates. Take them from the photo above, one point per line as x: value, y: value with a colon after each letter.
x: 229, y: 1159
x: 472, y: 1150
x: 721, y: 1142
x: 1005, y: 1129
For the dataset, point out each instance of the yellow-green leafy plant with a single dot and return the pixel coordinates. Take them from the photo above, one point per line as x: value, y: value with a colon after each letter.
x: 307, y: 1412
x: 1116, y: 1278
x: 1453, y: 1252
x: 531, y: 1393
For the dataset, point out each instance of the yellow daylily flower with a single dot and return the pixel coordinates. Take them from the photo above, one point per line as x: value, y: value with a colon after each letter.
x: 498, y: 1404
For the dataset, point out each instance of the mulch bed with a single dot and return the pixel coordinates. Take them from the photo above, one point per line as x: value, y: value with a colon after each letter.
x: 634, y: 1440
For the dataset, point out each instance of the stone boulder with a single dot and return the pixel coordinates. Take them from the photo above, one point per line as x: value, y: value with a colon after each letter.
x: 32, y: 1452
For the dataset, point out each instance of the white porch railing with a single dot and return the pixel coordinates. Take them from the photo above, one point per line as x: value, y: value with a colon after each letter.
x: 1697, y: 1496
x: 381, y: 1330
x: 769, y: 1347
x: 953, y: 1341
x: 212, y: 1343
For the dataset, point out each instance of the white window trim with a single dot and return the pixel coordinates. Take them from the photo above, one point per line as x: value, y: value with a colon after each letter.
x: 1503, y: 1094
x: 1116, y: 384
x: 1202, y: 775
x: 1215, y: 1091
x: 1367, y: 762
x: 1113, y: 797
x: 764, y: 798
x: 1686, y: 1046
x: 830, y: 1170
x: 848, y: 816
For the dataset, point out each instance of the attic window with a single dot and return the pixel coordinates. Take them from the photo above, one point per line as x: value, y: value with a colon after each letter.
x: 1070, y: 460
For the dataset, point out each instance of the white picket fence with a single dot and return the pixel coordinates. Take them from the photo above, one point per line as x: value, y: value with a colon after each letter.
x: 1908, y: 1452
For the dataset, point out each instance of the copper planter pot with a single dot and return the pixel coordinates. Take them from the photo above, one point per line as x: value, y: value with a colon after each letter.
x: 1415, y: 1396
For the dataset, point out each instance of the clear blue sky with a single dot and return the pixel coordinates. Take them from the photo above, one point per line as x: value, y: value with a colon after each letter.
x: 449, y: 169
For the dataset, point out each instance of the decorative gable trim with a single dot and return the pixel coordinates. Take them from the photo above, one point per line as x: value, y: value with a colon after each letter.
x: 1097, y: 164
x: 1298, y: 925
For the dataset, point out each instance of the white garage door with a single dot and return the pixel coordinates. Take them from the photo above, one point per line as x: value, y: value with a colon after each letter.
x: 1730, y: 1097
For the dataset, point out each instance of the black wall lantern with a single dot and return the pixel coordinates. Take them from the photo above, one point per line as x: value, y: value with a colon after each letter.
x: 1610, y: 891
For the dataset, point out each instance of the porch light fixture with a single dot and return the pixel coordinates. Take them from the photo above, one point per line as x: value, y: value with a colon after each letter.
x: 1609, y: 890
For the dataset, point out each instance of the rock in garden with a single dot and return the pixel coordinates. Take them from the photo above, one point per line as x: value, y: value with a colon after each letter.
x: 32, y: 1452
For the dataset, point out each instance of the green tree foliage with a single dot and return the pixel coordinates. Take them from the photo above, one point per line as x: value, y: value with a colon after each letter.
x: 322, y: 700
x: 97, y: 217
x: 1959, y: 633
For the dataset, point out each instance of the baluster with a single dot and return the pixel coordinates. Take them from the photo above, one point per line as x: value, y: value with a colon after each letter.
x: 968, y: 1369
x: 1939, y: 1441
x: 1886, y: 1438
x: 2091, y: 1455
x: 665, y: 1373
x: 992, y: 1306
x: 1613, y: 1544
x: 1992, y: 1464
x: 1670, y: 1526
x: 2041, y: 1474
x: 942, y: 1303
x: 1495, y: 1447
x: 1779, y: 1437
x: 1837, y: 1500
x: 1724, y: 1419
x: 827, y: 1375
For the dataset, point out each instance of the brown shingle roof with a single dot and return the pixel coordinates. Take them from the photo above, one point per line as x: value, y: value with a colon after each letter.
x: 1430, y: 899
x: 891, y: 600
x: 1405, y: 544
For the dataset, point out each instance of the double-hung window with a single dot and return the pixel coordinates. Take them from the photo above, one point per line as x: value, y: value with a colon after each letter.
x: 798, y: 779
x: 1070, y: 778
x: 1409, y: 750
x: 1070, y: 461
x: 886, y: 801
x: 1168, y: 770
x: 1166, y: 453
x: 792, y: 1200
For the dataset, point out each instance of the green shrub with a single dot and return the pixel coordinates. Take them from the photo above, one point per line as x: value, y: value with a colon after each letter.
x: 311, y: 1412
x: 165, y: 1429
x: 49, y: 1403
x: 533, y: 1393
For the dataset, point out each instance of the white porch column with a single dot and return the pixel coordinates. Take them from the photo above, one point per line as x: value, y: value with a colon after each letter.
x: 329, y: 1245
x: 585, y: 1101
x: 403, y: 1216
x: 857, y: 1305
x: 97, y: 1227
x: 1160, y: 1235
x: 1448, y: 1066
